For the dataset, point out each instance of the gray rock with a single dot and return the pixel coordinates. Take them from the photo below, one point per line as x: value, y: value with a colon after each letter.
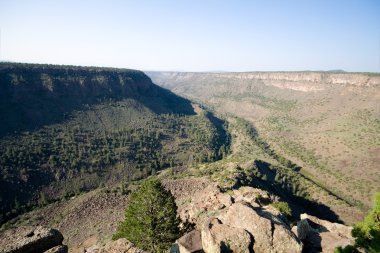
x: 217, y: 238
x: 321, y: 235
x: 303, y: 229
x: 190, y: 242
x: 29, y: 240
x: 270, y: 234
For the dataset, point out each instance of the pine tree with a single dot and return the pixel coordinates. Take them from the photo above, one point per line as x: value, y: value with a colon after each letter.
x: 366, y: 233
x: 151, y: 221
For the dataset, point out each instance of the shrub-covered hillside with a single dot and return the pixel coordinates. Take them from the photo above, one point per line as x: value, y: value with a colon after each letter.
x: 67, y: 129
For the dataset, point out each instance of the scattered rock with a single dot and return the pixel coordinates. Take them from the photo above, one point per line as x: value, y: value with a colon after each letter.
x: 185, y: 187
x: 190, y: 242
x: 119, y: 246
x: 206, y: 202
x: 58, y: 249
x: 30, y: 240
x: 250, y: 195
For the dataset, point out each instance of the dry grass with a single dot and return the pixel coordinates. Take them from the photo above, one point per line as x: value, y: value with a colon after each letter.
x: 331, y: 130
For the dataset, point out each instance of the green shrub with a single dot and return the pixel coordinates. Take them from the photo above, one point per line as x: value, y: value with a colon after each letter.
x: 151, y: 221
x: 283, y: 207
x: 347, y: 249
x: 367, y: 232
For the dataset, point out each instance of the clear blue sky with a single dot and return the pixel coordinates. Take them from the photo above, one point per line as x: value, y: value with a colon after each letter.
x: 194, y: 35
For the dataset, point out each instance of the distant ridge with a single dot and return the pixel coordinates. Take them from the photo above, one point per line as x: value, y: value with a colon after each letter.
x: 37, y: 94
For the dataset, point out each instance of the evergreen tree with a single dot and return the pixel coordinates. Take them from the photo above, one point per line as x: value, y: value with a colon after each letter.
x: 151, y: 221
x: 366, y: 233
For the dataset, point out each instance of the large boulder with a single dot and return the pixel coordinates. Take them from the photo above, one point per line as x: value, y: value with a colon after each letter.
x: 30, y: 240
x: 321, y: 235
x: 302, y: 229
x: 270, y: 233
x: 327, y: 225
x: 190, y: 242
x: 217, y: 238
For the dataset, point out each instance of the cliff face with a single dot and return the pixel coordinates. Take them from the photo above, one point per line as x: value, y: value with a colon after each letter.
x: 34, y: 95
x: 80, y: 84
x: 300, y: 81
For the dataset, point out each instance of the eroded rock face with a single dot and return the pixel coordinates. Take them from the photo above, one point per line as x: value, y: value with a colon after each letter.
x: 31, y: 240
x: 321, y: 235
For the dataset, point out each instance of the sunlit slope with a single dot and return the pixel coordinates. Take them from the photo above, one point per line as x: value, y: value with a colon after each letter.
x: 328, y: 123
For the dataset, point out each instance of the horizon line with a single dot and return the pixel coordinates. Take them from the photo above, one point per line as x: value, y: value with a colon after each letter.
x: 187, y: 71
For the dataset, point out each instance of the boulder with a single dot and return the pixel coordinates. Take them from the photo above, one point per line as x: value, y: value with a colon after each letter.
x: 269, y: 233
x: 321, y: 235
x: 190, y: 242
x: 323, y: 225
x: 30, y: 240
x: 217, y: 238
x: 284, y: 240
x: 303, y: 229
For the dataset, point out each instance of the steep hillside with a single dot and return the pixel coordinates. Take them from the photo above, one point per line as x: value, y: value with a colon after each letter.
x: 328, y: 124
x: 65, y: 130
x: 34, y: 95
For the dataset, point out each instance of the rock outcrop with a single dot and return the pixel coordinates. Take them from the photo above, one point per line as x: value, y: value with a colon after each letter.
x: 32, y: 240
x: 242, y: 220
x: 321, y: 235
x: 270, y: 233
x: 218, y: 237
x: 238, y: 221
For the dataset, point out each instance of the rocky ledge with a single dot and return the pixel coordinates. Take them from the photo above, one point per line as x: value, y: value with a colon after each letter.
x: 244, y: 220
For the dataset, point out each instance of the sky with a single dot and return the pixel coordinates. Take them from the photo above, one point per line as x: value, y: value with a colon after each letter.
x: 194, y: 35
